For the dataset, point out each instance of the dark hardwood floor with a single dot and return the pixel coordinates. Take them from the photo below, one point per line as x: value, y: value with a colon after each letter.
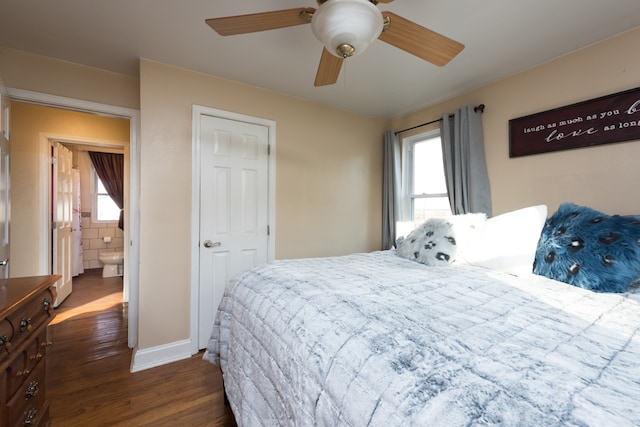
x: 89, y: 383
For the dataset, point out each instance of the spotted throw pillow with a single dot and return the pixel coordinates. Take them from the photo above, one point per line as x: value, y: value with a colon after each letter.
x: 438, y: 240
x: 589, y: 249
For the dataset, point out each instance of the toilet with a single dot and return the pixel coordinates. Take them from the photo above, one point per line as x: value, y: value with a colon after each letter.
x: 113, y: 263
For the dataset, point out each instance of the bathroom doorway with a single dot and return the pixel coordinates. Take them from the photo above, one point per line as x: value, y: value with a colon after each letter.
x: 80, y: 235
x: 38, y: 181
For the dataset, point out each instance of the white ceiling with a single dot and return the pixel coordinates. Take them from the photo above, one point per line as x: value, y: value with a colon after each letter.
x: 502, y: 37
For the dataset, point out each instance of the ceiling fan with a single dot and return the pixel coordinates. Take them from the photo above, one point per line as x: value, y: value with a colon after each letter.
x: 346, y: 28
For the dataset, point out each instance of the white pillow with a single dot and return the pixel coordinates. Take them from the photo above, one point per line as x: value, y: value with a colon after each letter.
x: 507, y: 242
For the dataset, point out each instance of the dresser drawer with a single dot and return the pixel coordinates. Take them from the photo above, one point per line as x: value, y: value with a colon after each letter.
x: 17, y: 372
x: 28, y: 401
x: 37, y: 350
x: 36, y: 417
x: 26, y: 362
x: 31, y: 315
x: 6, y: 335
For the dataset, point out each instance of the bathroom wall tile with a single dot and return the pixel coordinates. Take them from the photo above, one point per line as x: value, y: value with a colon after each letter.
x: 96, y: 244
x: 92, y: 243
x: 90, y: 233
x: 117, y: 242
x: 95, y: 264
x: 105, y: 231
x: 90, y: 254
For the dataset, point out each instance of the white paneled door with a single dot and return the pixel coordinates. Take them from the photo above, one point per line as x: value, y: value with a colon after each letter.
x: 62, y: 197
x: 234, y: 230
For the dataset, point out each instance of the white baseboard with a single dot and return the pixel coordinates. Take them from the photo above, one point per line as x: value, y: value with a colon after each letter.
x: 157, y: 356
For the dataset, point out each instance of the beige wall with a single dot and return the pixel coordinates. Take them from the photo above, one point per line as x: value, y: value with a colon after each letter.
x: 328, y: 197
x: 28, y: 123
x: 604, y: 177
x: 21, y: 70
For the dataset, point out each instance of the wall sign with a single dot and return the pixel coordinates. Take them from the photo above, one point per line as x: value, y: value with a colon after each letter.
x: 611, y: 118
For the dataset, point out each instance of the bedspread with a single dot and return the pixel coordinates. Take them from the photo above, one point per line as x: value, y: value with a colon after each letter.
x: 377, y: 340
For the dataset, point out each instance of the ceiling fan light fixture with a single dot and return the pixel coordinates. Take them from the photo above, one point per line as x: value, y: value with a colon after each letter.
x: 347, y: 27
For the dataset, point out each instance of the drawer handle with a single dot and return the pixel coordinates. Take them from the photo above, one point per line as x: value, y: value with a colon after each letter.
x: 46, y: 304
x: 31, y: 417
x: 32, y: 390
x: 36, y: 356
x: 25, y: 324
x: 3, y: 341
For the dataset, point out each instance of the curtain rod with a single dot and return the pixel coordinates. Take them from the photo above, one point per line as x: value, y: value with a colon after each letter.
x: 476, y: 109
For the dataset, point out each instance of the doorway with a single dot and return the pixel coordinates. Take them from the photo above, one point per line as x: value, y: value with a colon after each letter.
x: 77, y: 242
x: 131, y: 232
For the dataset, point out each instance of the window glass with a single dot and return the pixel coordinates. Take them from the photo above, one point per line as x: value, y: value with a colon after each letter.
x: 424, y: 185
x: 105, y: 208
x: 425, y: 208
x: 428, y: 169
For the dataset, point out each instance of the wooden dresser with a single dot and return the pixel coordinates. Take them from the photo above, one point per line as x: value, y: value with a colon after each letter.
x: 26, y: 308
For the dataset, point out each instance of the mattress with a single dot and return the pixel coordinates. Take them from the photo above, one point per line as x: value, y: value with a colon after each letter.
x: 377, y: 340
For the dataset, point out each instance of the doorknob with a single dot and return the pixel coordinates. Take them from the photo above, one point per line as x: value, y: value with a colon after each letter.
x: 210, y: 244
x: 4, y: 262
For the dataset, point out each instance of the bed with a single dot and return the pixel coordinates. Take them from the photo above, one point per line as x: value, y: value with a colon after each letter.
x: 375, y: 339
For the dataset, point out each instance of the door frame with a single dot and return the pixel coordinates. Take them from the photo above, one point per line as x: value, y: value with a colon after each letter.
x: 197, y: 112
x: 46, y: 141
x: 5, y: 174
x: 132, y: 232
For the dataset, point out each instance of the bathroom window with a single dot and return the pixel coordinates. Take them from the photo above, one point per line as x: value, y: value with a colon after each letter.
x: 104, y: 208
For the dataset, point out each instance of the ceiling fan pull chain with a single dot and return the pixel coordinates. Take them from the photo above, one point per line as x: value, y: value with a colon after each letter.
x: 346, y: 70
x: 344, y: 79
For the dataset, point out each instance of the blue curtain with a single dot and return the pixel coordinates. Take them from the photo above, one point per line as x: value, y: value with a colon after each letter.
x: 465, y: 166
x: 391, y: 189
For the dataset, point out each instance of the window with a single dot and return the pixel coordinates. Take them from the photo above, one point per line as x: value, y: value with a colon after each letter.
x: 104, y: 208
x: 424, y: 186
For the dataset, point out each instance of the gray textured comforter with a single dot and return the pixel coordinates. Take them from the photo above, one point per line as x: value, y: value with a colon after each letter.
x: 376, y: 340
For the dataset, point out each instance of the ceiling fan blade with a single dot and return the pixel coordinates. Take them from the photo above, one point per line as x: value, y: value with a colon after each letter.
x: 419, y: 41
x: 252, y: 23
x: 328, y: 70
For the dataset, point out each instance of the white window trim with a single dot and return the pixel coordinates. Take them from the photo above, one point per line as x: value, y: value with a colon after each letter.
x: 406, y: 223
x: 407, y: 172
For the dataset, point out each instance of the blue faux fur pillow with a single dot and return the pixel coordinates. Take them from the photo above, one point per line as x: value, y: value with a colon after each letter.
x: 586, y: 248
